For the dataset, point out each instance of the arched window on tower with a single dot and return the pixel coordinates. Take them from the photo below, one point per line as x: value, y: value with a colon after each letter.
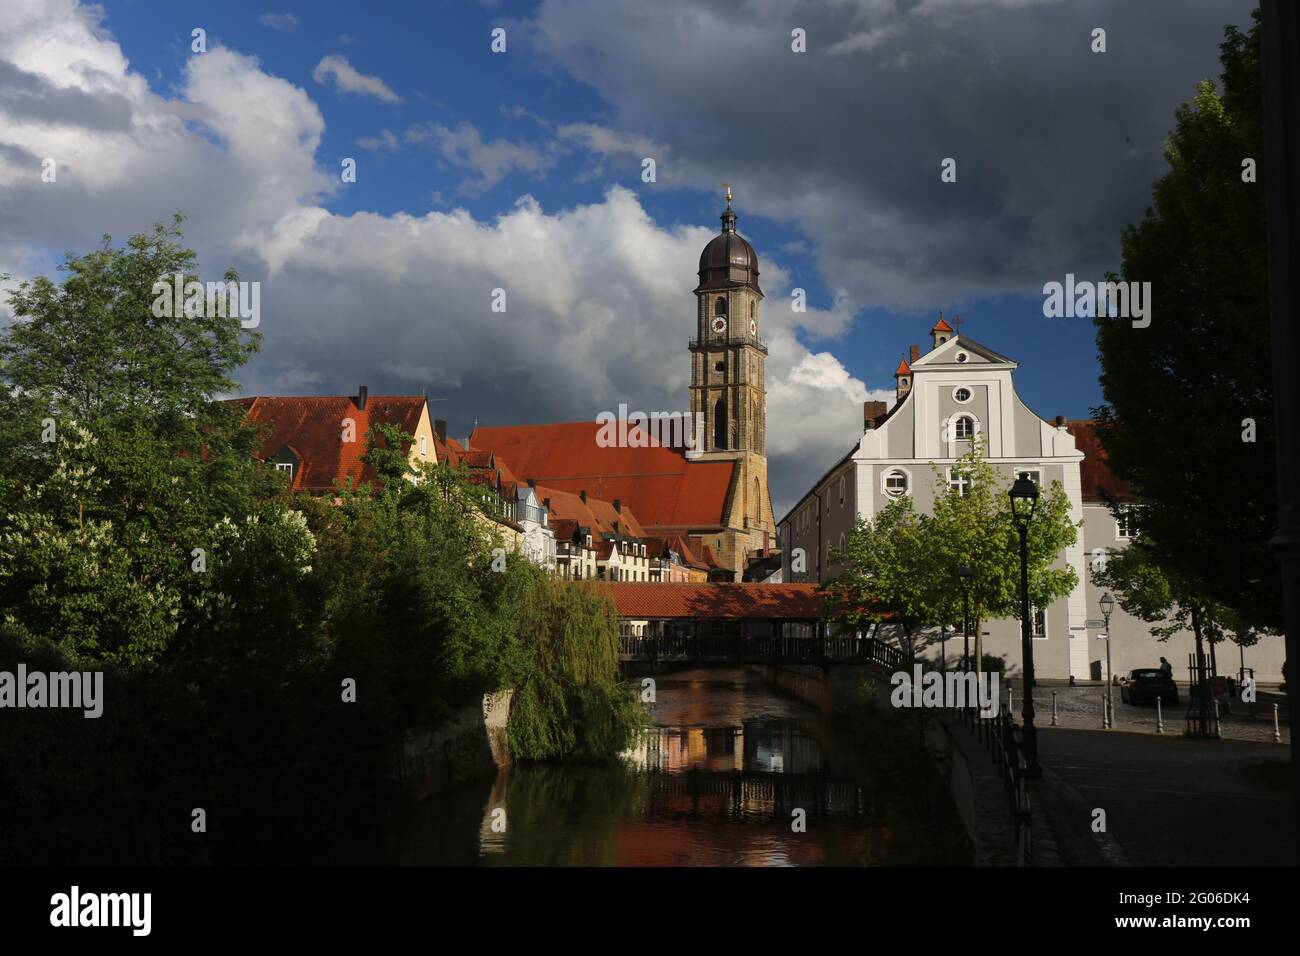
x: 720, y: 306
x: 720, y: 424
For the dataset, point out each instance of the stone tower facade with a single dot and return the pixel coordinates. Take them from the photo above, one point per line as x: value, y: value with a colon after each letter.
x: 728, y: 389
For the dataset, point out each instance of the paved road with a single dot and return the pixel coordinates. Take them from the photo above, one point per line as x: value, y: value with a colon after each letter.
x: 1172, y: 801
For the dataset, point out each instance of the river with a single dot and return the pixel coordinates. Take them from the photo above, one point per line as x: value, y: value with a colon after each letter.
x: 732, y: 773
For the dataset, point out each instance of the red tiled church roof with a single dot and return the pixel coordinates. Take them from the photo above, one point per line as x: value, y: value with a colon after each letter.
x: 942, y: 326
x: 903, y: 369
x: 731, y: 601
x: 312, y: 427
x: 1094, y: 472
x: 658, y: 483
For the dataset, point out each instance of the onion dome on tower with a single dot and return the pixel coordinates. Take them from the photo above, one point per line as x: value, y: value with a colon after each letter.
x: 728, y: 260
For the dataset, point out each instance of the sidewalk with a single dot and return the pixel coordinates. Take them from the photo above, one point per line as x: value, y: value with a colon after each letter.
x: 1168, y: 801
x: 1080, y: 707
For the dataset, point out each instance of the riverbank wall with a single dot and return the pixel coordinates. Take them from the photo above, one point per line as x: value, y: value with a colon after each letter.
x: 474, y: 743
x: 832, y: 690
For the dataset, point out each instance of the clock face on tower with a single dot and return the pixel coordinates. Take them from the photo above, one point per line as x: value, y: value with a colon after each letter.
x: 753, y: 328
x: 719, y: 324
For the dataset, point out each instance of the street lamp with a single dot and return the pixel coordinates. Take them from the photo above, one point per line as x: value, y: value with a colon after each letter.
x: 965, y: 572
x: 1024, y: 499
x: 1107, y: 605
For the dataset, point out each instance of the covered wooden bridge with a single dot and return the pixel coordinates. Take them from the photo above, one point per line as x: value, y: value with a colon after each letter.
x: 725, y: 624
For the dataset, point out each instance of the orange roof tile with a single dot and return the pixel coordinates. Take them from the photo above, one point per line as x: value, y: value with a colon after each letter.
x: 312, y: 427
x: 1095, y: 475
x: 903, y: 369
x: 941, y: 326
x: 722, y: 600
x: 657, y: 483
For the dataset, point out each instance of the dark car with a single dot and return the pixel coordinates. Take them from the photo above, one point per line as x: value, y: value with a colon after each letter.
x: 1144, y: 685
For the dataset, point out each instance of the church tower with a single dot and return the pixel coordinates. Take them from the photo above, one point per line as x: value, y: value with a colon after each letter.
x: 728, y: 356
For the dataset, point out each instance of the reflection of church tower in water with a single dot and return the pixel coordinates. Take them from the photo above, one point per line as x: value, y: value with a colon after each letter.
x: 727, y: 382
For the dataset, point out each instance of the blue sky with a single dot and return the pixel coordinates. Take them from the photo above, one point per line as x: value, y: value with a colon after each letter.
x: 833, y: 155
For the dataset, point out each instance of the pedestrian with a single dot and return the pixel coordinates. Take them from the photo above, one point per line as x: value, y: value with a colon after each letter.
x: 1166, y: 668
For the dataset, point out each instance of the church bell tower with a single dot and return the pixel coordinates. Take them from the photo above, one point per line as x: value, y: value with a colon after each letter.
x: 728, y: 390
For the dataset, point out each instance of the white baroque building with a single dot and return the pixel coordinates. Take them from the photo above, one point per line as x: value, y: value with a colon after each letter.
x: 956, y: 391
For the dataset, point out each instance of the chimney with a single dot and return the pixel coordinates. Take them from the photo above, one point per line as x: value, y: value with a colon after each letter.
x: 546, y: 503
x: 870, y: 412
x: 618, y: 505
x: 583, y: 495
x: 1060, y: 421
x: 532, y: 482
x: 914, y: 353
x: 361, y: 398
x: 440, y: 429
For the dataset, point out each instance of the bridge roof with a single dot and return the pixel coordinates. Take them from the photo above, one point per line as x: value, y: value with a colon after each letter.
x: 648, y: 600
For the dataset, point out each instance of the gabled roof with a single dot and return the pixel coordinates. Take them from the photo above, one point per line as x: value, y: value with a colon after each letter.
x: 942, y: 326
x: 312, y: 427
x: 713, y: 601
x: 903, y: 369
x: 942, y: 354
x: 595, y: 513
x: 1095, y: 475
x: 663, y: 488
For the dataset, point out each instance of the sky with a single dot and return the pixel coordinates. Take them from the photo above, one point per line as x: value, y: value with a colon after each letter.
x: 523, y: 170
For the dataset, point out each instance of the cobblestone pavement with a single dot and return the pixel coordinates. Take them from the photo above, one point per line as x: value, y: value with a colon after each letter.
x: 1080, y: 707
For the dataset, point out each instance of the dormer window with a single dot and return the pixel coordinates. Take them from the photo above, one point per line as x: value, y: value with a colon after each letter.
x: 286, y: 467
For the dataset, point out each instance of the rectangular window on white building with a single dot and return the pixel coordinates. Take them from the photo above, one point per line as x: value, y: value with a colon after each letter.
x: 959, y: 481
x: 1125, y: 525
x: 1039, y: 618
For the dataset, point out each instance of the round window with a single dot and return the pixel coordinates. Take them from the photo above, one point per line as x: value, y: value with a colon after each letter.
x: 962, y: 357
x: 961, y: 394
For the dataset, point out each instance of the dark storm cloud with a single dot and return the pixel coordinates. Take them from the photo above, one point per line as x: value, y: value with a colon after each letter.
x: 30, y: 96
x: 1056, y: 146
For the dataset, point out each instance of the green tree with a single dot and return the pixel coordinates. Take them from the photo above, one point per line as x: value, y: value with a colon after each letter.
x: 885, y: 574
x: 95, y: 382
x: 1172, y: 602
x: 1178, y: 393
x: 972, y: 525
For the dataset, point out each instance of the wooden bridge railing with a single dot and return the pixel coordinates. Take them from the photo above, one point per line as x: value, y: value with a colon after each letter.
x: 838, y: 648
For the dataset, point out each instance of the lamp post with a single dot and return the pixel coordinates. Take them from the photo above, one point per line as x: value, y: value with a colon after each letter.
x: 1107, y: 605
x: 1024, y: 500
x: 965, y: 572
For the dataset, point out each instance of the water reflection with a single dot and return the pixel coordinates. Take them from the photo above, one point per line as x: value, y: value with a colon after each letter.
x: 716, y: 781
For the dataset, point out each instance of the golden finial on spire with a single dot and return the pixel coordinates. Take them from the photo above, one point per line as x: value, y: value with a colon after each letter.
x: 727, y: 186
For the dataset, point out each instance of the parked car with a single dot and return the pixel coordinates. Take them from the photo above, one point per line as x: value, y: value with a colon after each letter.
x: 1145, y: 684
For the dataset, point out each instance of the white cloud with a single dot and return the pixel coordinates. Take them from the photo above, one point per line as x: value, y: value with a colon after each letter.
x: 385, y: 140
x: 465, y: 148
x: 599, y: 295
x: 612, y: 142
x: 284, y: 22
x: 349, y: 80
